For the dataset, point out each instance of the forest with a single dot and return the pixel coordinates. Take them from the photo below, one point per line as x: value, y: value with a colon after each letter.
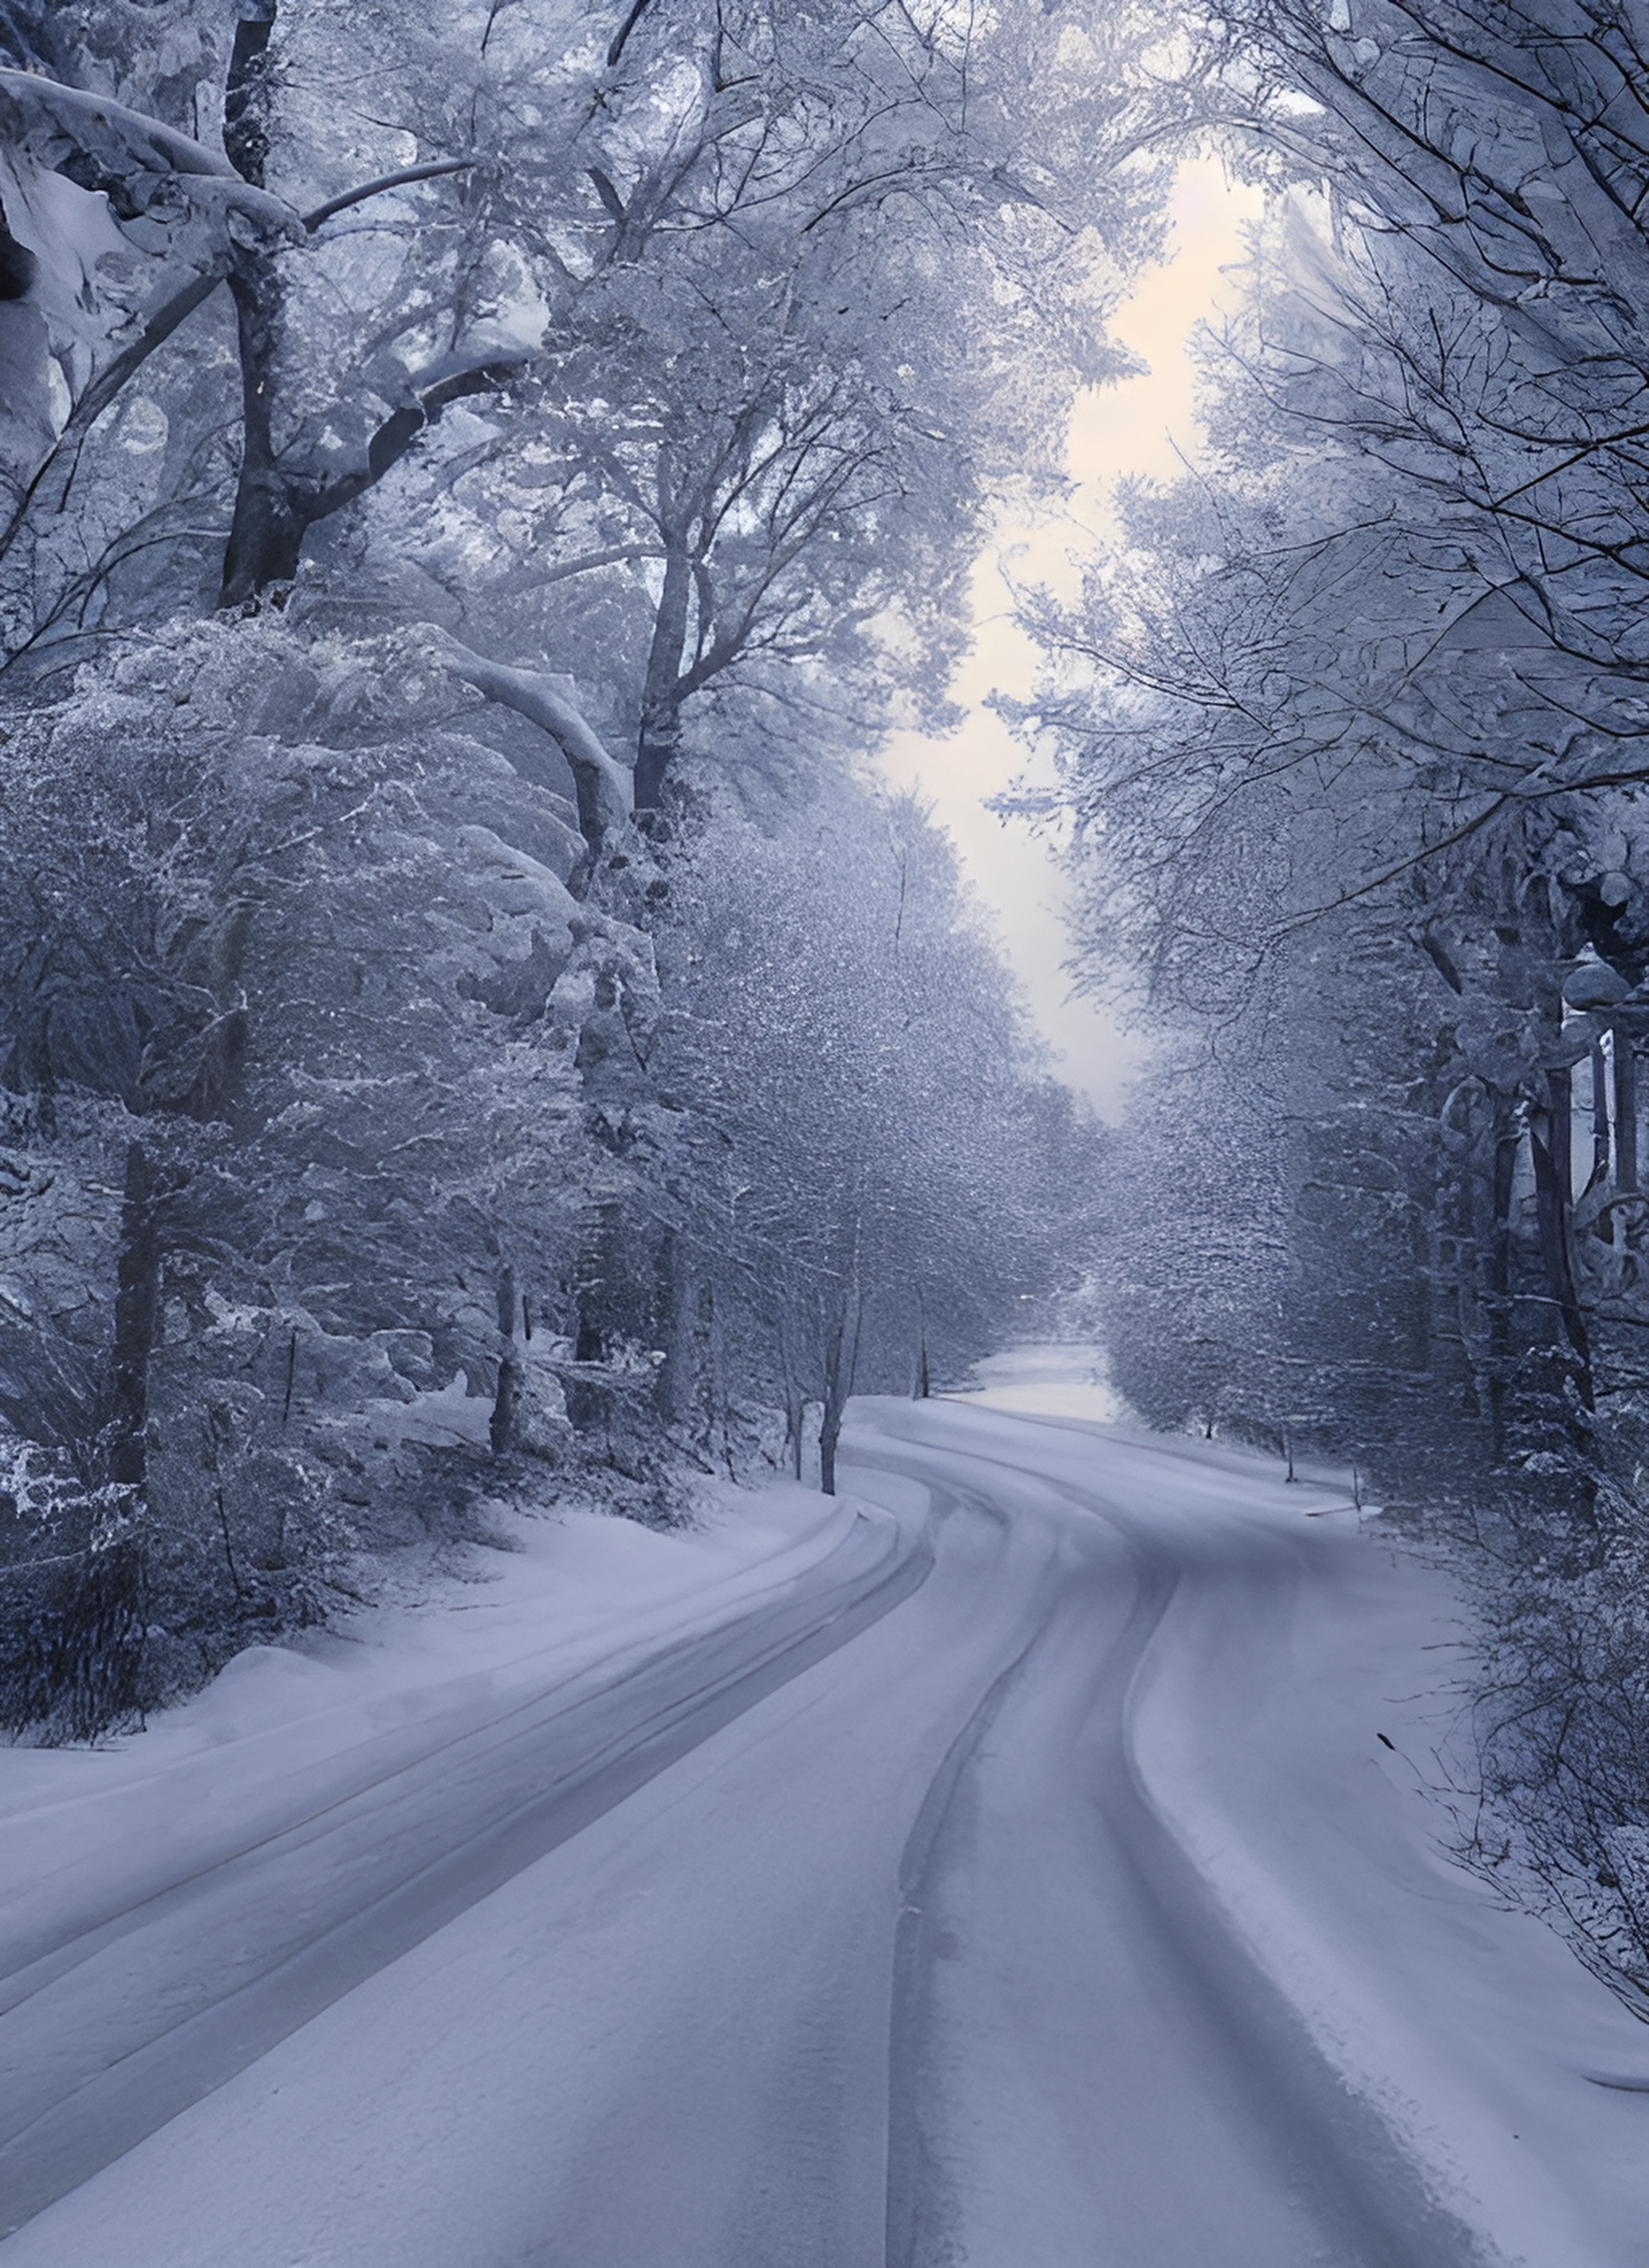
x: 478, y: 483
x: 478, y: 486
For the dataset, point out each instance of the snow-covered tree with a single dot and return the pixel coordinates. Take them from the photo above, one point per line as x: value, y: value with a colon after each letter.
x: 749, y: 304
x: 297, y: 957
x: 1311, y: 756
x: 880, y: 1173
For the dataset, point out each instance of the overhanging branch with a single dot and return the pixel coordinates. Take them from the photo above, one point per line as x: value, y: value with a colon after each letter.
x: 383, y: 184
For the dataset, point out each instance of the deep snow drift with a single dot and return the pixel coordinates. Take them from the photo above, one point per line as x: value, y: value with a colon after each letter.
x: 1002, y: 1863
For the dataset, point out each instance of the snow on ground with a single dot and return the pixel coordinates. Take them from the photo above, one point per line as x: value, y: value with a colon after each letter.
x: 1069, y: 1913
x: 1257, y: 1723
x: 1286, y: 1650
x: 1473, y: 2027
x: 283, y: 1728
x: 1046, y: 1381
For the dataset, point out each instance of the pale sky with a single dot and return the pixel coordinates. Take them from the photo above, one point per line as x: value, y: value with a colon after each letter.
x: 1133, y: 427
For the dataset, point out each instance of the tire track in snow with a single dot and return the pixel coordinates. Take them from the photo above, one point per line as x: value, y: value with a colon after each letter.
x: 200, y: 2002
x: 917, y: 2221
x: 1359, y: 2201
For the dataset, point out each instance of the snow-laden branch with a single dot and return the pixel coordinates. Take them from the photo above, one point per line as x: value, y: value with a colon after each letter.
x: 603, y: 786
x: 143, y: 141
x: 132, y: 142
x: 382, y: 185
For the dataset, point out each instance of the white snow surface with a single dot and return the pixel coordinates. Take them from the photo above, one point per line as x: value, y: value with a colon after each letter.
x: 1044, y: 1380
x: 999, y: 1865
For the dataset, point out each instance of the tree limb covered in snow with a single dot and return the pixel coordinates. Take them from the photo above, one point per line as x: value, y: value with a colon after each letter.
x: 128, y: 143
x: 603, y: 785
x: 382, y: 185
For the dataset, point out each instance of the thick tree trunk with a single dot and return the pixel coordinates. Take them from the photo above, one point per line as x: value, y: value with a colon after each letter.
x: 276, y: 505
x: 841, y: 1362
x: 587, y: 1403
x: 659, y: 742
x: 267, y: 533
x: 246, y: 121
x: 829, y: 1435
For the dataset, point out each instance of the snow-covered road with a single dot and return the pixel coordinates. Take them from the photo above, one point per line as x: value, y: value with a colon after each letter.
x: 1005, y: 1868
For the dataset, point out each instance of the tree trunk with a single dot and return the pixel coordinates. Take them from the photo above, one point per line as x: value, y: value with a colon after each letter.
x: 831, y: 1416
x: 586, y: 1404
x: 1552, y: 1209
x: 659, y: 742
x: 841, y: 1362
x: 718, y: 1396
x: 678, y: 1295
x: 265, y: 534
x: 1506, y: 1143
x: 506, y: 1397
x: 1600, y: 1116
x: 137, y: 1282
x: 795, y: 1428
x: 1625, y: 1113
x: 795, y: 1400
x: 1560, y: 1136
x: 245, y: 112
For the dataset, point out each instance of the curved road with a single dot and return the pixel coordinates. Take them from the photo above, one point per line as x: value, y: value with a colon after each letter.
x: 845, y: 1932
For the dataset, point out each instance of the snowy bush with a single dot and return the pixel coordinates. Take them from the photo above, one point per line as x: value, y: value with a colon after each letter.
x: 73, y: 1600
x: 1561, y: 1722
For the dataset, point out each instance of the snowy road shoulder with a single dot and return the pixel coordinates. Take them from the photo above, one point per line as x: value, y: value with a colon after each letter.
x: 1298, y: 1763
